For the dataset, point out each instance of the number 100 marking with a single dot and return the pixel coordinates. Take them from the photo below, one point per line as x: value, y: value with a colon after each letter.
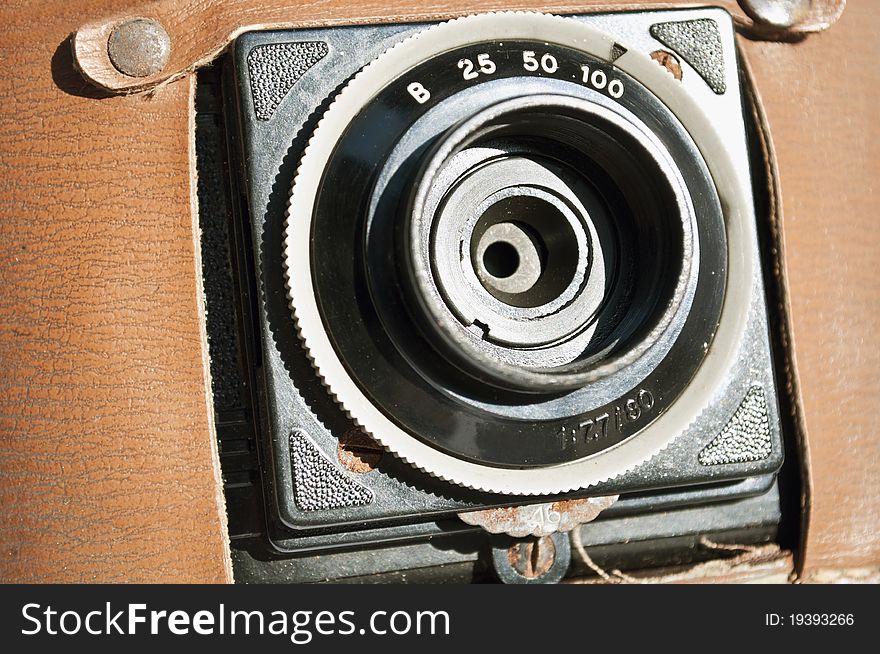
x: 599, y: 80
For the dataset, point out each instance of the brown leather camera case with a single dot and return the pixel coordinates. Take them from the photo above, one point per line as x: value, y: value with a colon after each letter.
x: 108, y: 463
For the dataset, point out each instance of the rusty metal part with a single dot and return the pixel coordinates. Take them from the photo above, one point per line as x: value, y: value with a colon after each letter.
x: 544, y: 560
x: 139, y: 47
x: 781, y: 14
x: 539, y: 519
x: 358, y: 452
x: 669, y: 61
x: 532, y: 558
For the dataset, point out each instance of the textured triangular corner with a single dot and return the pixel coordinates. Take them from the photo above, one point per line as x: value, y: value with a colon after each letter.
x: 698, y: 42
x: 745, y: 437
x: 275, y: 67
x: 318, y: 485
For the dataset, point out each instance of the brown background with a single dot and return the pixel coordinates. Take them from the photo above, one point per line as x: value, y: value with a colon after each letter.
x: 822, y: 99
x: 107, y: 468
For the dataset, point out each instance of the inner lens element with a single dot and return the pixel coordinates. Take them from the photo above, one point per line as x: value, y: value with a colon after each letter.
x: 501, y: 260
x: 550, y: 242
x: 524, y: 251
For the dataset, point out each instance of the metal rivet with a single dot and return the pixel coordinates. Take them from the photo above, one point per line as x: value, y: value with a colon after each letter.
x: 777, y: 13
x: 139, y: 47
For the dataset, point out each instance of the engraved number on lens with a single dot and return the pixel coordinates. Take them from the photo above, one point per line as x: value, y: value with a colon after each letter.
x: 593, y: 429
x: 484, y: 65
x: 632, y: 409
x: 547, y: 63
x: 598, y: 79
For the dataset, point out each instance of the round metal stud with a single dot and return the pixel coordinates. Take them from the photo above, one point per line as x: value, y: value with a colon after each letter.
x: 777, y: 13
x: 139, y: 47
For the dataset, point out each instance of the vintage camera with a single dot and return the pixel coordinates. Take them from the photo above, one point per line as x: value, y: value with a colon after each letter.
x: 479, y: 288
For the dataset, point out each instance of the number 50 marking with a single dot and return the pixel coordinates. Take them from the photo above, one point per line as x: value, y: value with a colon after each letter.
x: 548, y: 62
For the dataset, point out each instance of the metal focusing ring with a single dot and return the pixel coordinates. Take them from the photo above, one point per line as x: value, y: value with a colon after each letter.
x: 567, y: 327
x: 732, y: 188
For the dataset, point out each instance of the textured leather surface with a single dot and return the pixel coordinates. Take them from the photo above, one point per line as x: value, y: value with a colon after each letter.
x: 821, y: 97
x: 199, y: 29
x: 106, y: 465
x: 106, y: 462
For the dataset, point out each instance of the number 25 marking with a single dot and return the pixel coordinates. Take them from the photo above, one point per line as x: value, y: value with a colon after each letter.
x: 469, y: 71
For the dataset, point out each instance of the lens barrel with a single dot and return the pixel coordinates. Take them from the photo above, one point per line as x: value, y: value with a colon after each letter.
x: 501, y: 267
x: 549, y: 241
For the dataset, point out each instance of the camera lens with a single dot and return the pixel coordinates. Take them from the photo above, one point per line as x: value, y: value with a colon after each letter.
x: 515, y: 269
x: 549, y: 243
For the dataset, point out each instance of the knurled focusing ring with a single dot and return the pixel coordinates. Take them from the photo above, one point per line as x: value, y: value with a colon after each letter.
x: 360, y: 278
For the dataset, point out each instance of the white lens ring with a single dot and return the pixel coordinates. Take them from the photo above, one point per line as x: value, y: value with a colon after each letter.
x: 730, y: 183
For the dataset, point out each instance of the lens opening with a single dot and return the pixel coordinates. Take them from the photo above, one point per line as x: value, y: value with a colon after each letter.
x: 590, y: 233
x: 524, y: 250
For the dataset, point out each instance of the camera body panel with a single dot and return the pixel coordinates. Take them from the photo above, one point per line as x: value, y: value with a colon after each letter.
x: 283, y: 82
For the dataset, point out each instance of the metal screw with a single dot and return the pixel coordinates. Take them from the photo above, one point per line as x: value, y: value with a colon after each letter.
x: 139, y: 47
x: 777, y: 13
x: 532, y: 558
